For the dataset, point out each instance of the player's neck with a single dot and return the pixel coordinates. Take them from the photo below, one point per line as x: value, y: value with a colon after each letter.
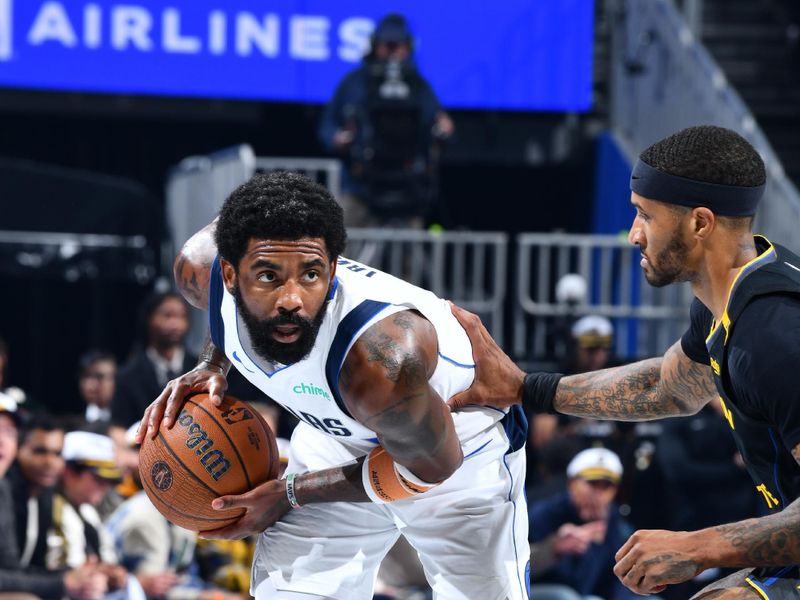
x: 723, y: 261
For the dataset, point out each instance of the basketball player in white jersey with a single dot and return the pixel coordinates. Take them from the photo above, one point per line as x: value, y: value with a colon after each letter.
x: 366, y: 362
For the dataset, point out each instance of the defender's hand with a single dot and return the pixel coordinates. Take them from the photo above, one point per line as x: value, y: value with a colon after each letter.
x: 652, y: 559
x: 498, y: 381
x: 165, y: 408
x: 264, y: 505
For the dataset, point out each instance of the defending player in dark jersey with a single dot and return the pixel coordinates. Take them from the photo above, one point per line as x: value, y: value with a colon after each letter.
x: 695, y: 194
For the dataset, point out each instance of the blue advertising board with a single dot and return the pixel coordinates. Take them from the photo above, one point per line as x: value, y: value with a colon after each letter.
x: 513, y: 55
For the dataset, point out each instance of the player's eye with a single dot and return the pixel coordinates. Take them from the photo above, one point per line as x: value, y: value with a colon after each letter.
x: 312, y: 276
x: 267, y: 276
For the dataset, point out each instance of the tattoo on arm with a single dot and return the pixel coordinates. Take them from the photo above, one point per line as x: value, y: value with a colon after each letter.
x: 648, y: 389
x: 773, y: 540
x: 409, y: 420
x: 187, y: 281
x: 192, y: 267
x: 342, y: 483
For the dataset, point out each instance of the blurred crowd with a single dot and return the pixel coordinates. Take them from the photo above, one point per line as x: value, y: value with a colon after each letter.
x: 78, y: 524
x: 74, y: 518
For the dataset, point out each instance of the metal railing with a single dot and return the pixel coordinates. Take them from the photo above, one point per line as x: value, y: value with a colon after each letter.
x: 468, y: 268
x: 326, y: 171
x: 647, y: 320
x: 663, y: 79
x: 77, y: 256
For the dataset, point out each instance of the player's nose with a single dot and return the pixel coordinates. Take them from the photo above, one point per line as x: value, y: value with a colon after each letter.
x: 290, y: 298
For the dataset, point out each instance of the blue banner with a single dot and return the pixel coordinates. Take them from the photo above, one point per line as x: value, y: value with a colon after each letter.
x: 514, y: 54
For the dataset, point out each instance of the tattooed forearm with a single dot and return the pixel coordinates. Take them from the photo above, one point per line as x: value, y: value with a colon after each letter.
x: 773, y: 540
x: 769, y: 541
x: 337, y: 484
x: 648, y: 389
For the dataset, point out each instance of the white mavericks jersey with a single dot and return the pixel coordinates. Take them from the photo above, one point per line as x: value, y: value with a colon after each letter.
x: 309, y: 389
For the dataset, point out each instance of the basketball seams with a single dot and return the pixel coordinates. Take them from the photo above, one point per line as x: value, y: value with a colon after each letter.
x: 191, y: 490
x: 230, y: 441
x: 185, y: 467
x: 153, y: 496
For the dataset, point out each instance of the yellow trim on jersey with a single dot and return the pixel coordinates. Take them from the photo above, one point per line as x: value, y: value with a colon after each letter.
x: 725, y: 321
x: 715, y: 365
x: 757, y: 588
x: 726, y: 411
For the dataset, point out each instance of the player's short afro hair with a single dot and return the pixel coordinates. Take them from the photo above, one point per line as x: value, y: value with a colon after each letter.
x: 279, y: 206
x: 710, y: 154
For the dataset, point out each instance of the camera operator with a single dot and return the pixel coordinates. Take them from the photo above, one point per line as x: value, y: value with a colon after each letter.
x: 386, y: 123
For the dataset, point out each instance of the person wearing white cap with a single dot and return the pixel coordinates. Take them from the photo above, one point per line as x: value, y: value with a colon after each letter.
x: 77, y: 529
x: 16, y: 578
x: 575, y: 534
x: 593, y: 336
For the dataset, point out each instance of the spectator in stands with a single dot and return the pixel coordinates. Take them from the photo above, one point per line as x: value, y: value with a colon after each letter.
x: 160, y: 356
x: 383, y: 120
x: 33, y: 478
x: 77, y: 533
x: 574, y: 535
x: 161, y: 555
x: 591, y: 339
x: 83, y: 583
x: 97, y: 370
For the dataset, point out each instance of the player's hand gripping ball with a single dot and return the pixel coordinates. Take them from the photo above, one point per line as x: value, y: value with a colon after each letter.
x: 210, y: 452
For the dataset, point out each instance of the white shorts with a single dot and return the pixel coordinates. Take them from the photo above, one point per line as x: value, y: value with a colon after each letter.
x: 471, y: 532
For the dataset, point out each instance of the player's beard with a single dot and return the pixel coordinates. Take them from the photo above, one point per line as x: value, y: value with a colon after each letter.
x: 669, y: 265
x: 261, y: 332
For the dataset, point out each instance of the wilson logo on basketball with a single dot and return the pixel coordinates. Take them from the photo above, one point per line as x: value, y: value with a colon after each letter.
x: 161, y: 475
x: 212, y: 459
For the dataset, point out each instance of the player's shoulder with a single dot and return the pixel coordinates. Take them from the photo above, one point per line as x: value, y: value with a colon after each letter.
x: 767, y: 329
x: 770, y: 317
x: 392, y: 356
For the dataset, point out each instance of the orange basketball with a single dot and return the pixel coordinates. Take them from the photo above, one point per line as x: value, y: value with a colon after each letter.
x: 209, y: 452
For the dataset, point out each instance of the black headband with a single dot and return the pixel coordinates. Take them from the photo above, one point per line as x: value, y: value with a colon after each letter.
x: 728, y: 200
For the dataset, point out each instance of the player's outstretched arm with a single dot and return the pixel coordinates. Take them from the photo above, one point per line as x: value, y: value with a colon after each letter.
x: 648, y: 389
x: 651, y: 559
x: 192, y: 270
x: 384, y: 382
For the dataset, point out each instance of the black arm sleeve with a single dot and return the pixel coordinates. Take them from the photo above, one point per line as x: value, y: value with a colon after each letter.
x: 693, y: 342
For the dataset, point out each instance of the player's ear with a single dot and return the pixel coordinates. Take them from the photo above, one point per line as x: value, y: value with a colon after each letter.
x: 703, y: 222
x: 333, y: 267
x: 228, y: 274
